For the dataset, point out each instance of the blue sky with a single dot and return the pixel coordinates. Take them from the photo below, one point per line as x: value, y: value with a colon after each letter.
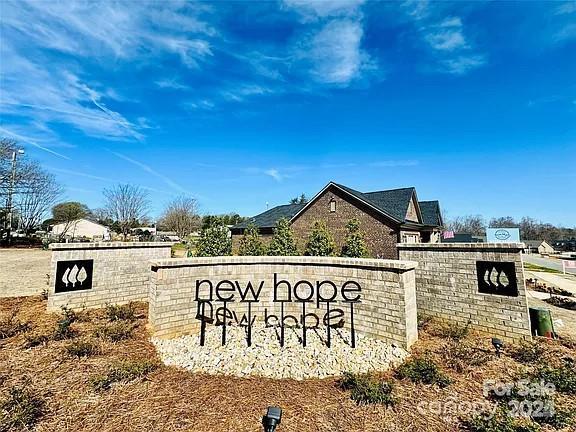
x: 240, y: 104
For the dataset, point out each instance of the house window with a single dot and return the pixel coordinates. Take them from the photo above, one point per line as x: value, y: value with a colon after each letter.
x: 332, y: 206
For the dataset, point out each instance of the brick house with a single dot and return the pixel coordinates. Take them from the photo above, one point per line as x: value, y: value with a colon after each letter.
x: 386, y: 218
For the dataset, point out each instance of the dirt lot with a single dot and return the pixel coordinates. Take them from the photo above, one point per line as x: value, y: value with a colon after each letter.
x: 171, y: 399
x: 23, y: 272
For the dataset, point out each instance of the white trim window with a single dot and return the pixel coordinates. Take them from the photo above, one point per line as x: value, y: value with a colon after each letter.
x: 332, y: 205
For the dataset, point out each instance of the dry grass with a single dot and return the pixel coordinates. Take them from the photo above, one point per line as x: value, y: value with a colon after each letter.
x: 171, y: 399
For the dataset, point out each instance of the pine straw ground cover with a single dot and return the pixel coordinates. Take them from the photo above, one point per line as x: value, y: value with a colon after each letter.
x: 68, y: 394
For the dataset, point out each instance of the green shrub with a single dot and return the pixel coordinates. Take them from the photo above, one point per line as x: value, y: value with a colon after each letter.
x: 64, y: 328
x: 366, y: 389
x: 559, y: 420
x: 123, y: 372
x: 499, y: 422
x: 11, y: 326
x: 251, y: 243
x: 36, y: 339
x: 563, y: 378
x: 422, y: 370
x: 125, y: 312
x: 82, y: 348
x: 282, y: 243
x: 214, y: 241
x: 115, y: 331
x: 320, y: 241
x: 527, y: 352
x: 21, y: 410
x: 354, y: 245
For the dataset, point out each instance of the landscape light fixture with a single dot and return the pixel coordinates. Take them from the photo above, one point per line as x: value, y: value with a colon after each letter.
x: 272, y: 418
x: 497, y: 344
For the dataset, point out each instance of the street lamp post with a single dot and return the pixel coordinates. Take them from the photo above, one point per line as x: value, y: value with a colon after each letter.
x: 15, y: 153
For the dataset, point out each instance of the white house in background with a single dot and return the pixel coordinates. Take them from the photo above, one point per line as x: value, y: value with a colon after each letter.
x: 81, y: 228
x: 538, y: 246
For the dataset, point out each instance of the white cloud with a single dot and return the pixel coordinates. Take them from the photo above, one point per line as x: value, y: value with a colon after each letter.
x: 311, y: 9
x: 275, y: 174
x: 335, y: 54
x: 171, y: 83
x: 445, y: 37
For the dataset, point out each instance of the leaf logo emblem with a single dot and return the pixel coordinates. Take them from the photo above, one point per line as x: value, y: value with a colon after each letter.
x: 82, y: 275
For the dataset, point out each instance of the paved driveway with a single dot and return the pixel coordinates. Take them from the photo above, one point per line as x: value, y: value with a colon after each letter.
x: 552, y: 263
x: 23, y: 272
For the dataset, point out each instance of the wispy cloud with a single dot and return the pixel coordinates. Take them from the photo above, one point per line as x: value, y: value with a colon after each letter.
x: 152, y: 171
x: 331, y: 48
x: 27, y: 140
x: 171, y: 83
x: 79, y: 174
x: 274, y: 173
x: 445, y: 37
x: 34, y: 87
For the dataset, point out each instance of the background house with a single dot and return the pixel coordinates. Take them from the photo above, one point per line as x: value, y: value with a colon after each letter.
x: 81, y: 228
x: 538, y: 246
x: 386, y: 218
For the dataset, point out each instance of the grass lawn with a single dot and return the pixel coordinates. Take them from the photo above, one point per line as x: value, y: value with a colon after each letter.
x: 97, y: 371
x: 534, y: 267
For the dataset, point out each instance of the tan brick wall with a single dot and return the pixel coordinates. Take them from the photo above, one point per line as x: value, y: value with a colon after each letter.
x: 388, y: 300
x: 381, y: 236
x: 447, y: 287
x: 120, y: 274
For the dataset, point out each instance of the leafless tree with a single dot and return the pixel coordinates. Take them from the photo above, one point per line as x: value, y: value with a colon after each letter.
x: 181, y: 216
x: 126, y: 204
x: 34, y: 190
x: 473, y: 224
x: 33, y: 204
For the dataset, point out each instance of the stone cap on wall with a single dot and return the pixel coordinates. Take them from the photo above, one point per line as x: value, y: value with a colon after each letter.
x: 109, y: 245
x: 473, y: 246
x: 395, y: 265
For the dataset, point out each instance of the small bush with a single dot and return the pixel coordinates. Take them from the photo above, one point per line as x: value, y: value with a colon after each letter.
x: 125, y: 312
x: 115, y: 331
x: 500, y: 421
x: 82, y: 348
x: 422, y: 370
x: 36, y: 339
x: 21, y: 410
x: 527, y: 352
x: 563, y: 378
x: 367, y: 390
x: 11, y: 326
x: 123, y: 372
x: 560, y: 419
x: 461, y: 355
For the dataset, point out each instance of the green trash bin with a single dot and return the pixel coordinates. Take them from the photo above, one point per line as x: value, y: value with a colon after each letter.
x: 541, y: 322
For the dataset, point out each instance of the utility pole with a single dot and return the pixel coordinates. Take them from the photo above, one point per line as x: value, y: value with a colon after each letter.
x: 15, y: 153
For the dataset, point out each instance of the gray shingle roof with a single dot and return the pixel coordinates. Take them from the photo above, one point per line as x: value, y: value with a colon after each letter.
x: 430, y: 212
x: 269, y: 218
x: 393, y: 202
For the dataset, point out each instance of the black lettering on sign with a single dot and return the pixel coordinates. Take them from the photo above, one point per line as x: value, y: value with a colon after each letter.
x: 73, y: 275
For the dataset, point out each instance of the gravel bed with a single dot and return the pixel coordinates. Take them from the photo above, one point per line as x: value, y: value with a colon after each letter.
x: 266, y: 358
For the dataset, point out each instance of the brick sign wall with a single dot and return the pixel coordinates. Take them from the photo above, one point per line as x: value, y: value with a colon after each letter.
x: 480, y: 282
x: 379, y: 294
x: 94, y: 274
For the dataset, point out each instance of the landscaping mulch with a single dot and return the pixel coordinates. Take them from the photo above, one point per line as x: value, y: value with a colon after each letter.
x: 172, y: 399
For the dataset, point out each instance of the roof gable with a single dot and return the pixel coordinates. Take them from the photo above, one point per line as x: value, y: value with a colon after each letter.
x: 269, y: 218
x: 431, y: 214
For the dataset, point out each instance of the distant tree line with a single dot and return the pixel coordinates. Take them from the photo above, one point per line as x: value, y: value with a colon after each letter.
x: 530, y: 229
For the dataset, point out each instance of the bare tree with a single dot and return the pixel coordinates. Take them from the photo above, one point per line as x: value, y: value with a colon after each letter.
x: 473, y: 224
x: 126, y: 204
x: 181, y: 216
x: 33, y: 190
x: 34, y: 203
